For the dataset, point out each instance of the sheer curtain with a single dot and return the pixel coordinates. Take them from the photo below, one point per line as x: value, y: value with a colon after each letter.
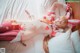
x: 24, y: 9
x: 20, y: 9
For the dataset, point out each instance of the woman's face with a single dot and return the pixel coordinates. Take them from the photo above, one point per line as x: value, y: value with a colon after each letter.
x: 61, y: 22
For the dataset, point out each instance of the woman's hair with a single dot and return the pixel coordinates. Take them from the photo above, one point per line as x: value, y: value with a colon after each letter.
x: 45, y: 43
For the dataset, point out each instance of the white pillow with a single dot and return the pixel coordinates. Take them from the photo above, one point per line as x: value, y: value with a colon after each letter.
x: 76, y: 40
x: 61, y: 44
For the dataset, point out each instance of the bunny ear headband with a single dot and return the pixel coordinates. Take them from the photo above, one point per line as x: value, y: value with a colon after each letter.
x: 59, y: 9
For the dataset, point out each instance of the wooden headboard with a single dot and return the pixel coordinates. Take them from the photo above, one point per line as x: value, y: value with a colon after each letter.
x: 76, y: 11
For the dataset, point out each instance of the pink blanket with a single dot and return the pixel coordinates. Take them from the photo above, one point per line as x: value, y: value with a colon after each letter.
x: 9, y: 35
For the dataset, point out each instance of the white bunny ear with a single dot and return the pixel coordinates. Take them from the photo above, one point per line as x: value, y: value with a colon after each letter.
x: 59, y: 8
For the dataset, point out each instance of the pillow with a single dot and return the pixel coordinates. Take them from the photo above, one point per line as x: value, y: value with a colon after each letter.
x: 13, y: 25
x: 7, y: 26
x: 6, y: 23
x: 76, y: 40
x: 4, y: 29
x: 61, y: 43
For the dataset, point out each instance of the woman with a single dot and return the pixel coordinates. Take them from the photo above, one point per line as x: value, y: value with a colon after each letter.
x: 75, y: 10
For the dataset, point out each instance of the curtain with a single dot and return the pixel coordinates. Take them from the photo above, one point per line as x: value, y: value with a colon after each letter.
x: 24, y: 9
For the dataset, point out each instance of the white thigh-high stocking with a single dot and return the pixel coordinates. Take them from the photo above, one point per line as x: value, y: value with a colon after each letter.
x: 17, y: 38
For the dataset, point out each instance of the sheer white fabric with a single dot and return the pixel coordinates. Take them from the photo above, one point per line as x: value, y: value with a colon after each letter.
x: 21, y: 9
x: 15, y: 9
